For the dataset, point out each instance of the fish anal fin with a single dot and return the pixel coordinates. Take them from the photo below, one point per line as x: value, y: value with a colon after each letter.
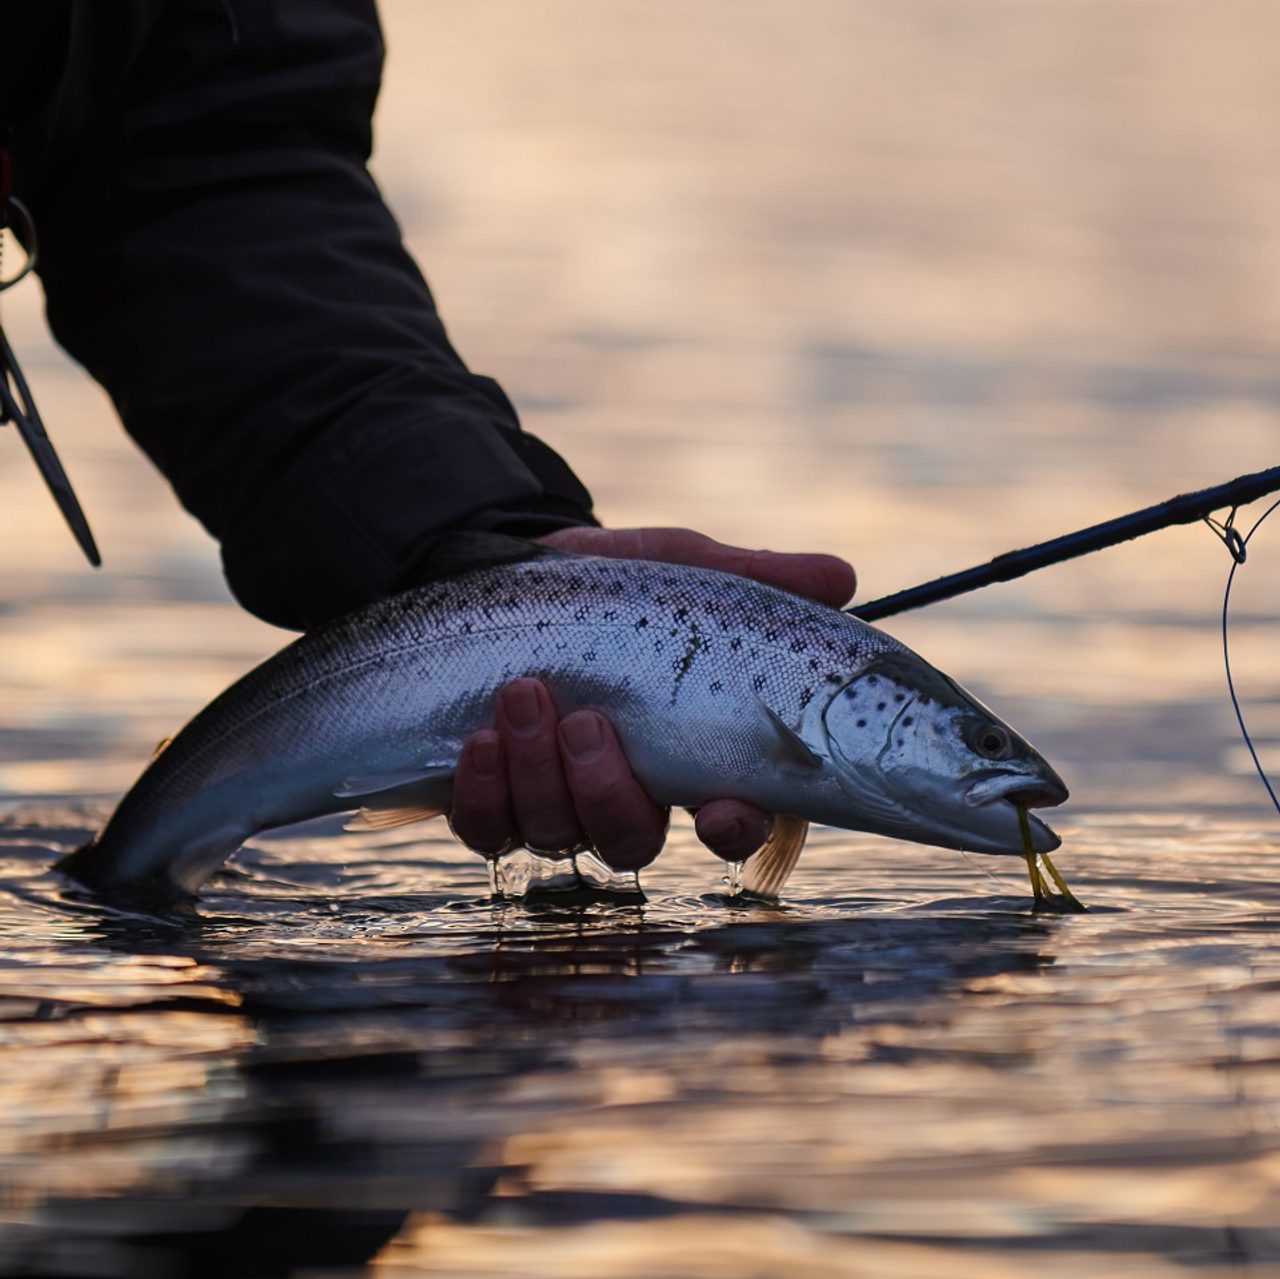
x: 405, y: 805
x: 784, y: 747
x: 767, y: 871
x: 370, y: 818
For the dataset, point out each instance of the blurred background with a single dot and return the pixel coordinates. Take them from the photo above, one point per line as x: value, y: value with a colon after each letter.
x: 913, y: 281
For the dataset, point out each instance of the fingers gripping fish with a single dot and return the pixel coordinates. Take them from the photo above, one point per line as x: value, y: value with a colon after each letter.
x: 718, y: 686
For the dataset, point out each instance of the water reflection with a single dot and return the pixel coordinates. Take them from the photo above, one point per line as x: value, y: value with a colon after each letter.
x: 195, y: 1091
x: 344, y: 1049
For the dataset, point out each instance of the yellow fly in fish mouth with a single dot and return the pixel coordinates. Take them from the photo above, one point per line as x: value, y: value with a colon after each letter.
x: 1064, y: 899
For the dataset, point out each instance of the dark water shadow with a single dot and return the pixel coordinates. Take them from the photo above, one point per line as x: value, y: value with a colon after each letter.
x: 368, y: 1087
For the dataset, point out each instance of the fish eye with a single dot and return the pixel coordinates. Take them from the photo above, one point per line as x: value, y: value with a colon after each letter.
x: 991, y: 740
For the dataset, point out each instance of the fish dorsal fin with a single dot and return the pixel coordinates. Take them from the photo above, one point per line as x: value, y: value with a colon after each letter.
x: 452, y: 554
x: 783, y: 746
x: 767, y: 871
x: 403, y: 805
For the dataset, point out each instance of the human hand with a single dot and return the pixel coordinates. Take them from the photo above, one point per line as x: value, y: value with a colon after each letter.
x: 554, y: 784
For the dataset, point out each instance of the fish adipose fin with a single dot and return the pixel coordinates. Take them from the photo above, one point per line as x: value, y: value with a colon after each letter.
x: 768, y: 870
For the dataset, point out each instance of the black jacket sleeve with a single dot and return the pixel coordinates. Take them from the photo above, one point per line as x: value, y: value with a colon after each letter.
x: 215, y: 252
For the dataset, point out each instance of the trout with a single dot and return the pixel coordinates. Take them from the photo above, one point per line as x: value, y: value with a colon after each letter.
x: 718, y: 686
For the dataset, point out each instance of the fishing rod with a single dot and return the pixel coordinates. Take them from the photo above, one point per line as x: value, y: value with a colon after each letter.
x: 1186, y: 508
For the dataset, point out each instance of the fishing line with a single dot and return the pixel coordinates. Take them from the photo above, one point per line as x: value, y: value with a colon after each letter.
x: 1238, y: 546
x: 998, y: 880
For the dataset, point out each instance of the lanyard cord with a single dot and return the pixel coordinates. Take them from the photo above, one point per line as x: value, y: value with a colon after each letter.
x: 16, y: 402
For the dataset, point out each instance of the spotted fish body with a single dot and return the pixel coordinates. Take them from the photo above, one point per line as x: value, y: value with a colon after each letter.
x: 719, y: 687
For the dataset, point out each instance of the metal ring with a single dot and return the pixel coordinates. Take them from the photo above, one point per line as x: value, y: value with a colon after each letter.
x: 1235, y: 543
x: 20, y: 217
x: 1229, y: 536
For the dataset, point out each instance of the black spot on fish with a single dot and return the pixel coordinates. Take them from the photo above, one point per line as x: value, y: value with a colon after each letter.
x: 542, y: 623
x: 770, y: 636
x: 681, y: 614
x: 881, y: 705
x: 906, y: 722
x: 610, y: 614
x: 833, y: 678
x: 736, y: 643
x: 862, y: 723
x: 806, y: 696
x: 642, y: 623
x: 797, y: 646
x: 716, y: 686
x: 580, y: 613
x: 758, y: 683
x: 871, y: 679
x: 589, y: 655
x: 899, y: 697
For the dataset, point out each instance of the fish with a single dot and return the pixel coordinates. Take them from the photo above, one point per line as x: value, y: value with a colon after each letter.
x: 718, y: 687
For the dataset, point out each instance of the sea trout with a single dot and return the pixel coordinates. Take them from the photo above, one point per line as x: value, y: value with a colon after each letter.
x: 718, y: 686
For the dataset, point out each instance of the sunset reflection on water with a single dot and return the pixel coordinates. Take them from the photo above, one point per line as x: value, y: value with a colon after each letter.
x: 914, y: 283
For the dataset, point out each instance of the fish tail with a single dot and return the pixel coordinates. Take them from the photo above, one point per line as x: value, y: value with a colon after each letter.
x: 74, y: 863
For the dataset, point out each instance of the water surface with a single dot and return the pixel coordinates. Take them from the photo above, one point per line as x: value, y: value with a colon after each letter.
x: 914, y: 282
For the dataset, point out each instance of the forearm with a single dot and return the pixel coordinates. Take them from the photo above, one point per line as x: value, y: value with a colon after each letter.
x: 228, y: 270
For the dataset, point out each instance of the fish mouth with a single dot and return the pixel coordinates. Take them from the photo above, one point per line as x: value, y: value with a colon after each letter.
x: 1016, y: 788
x: 1005, y: 792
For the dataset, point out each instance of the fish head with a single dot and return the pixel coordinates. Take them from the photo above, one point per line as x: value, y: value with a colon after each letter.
x: 922, y: 759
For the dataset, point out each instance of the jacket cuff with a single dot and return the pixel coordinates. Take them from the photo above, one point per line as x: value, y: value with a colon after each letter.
x: 340, y: 532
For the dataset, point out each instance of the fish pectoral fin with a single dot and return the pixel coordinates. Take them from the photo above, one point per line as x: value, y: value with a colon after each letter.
x: 403, y: 805
x: 783, y: 746
x: 355, y: 787
x: 767, y: 871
